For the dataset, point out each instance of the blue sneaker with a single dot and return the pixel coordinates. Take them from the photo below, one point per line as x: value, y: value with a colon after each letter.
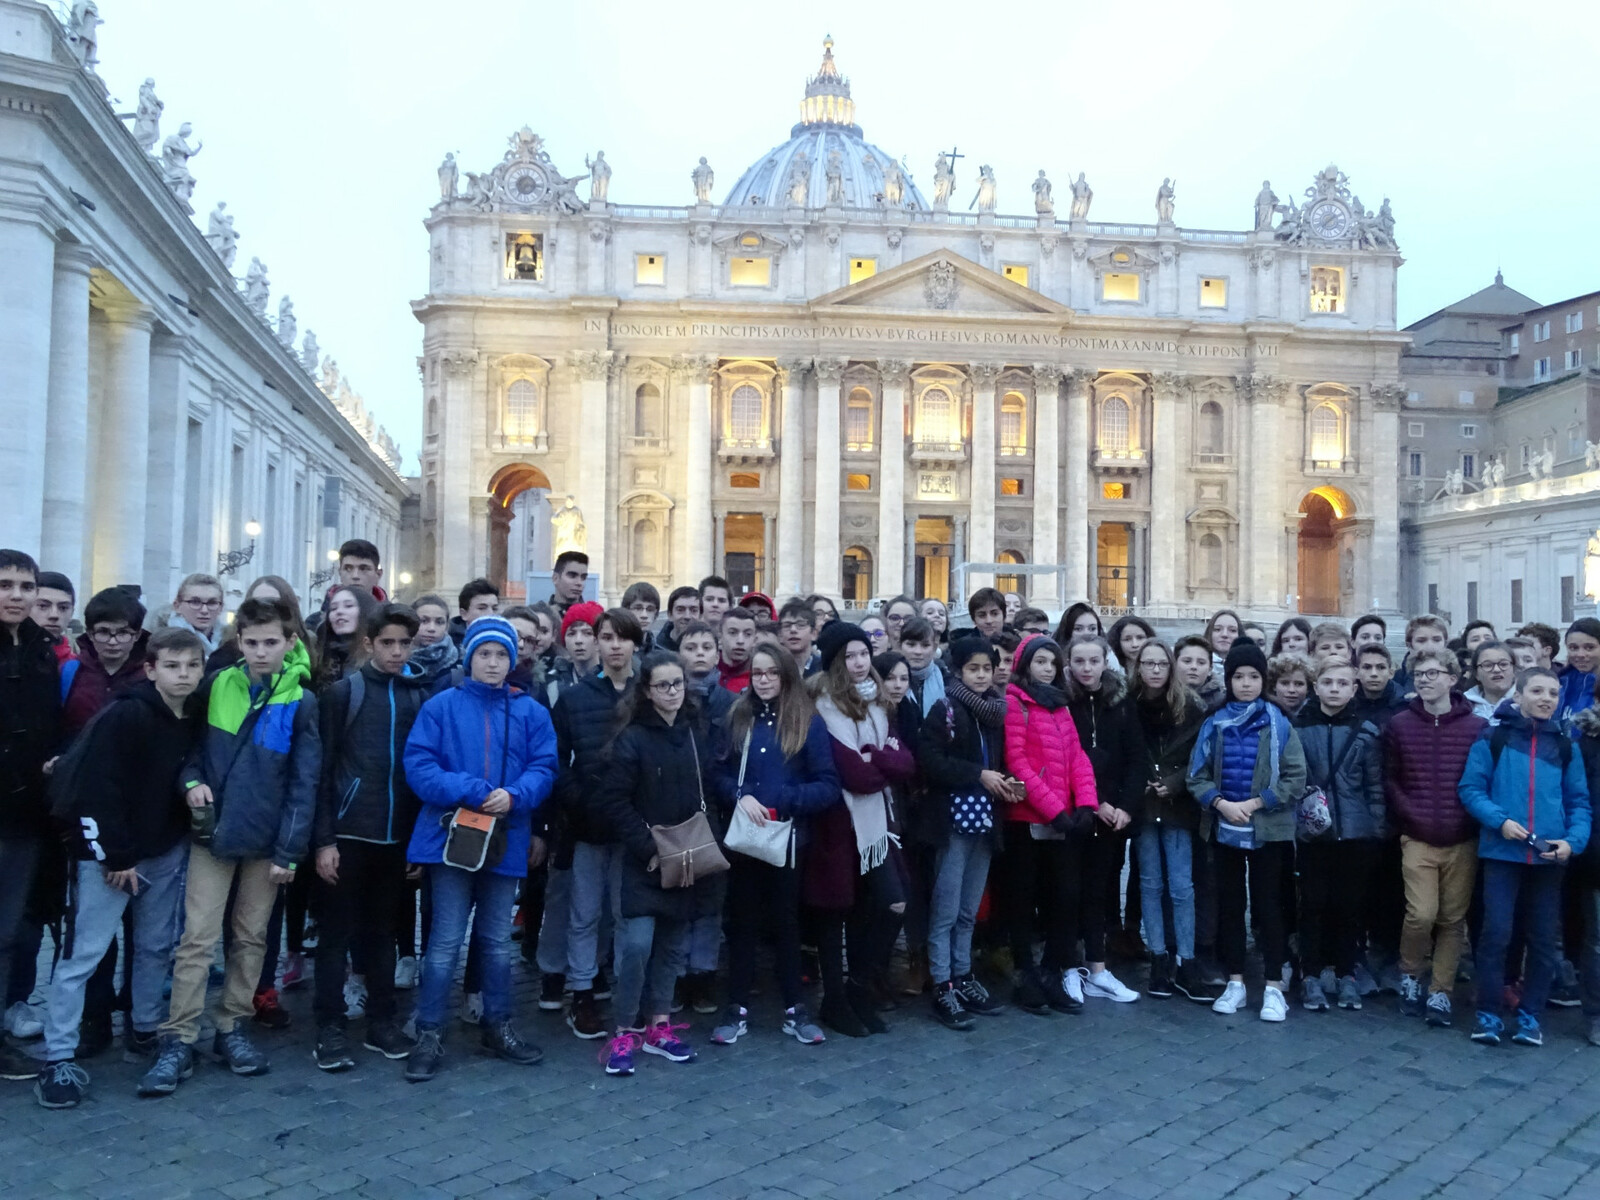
x: 618, y: 1054
x: 1489, y: 1029
x: 663, y: 1039
x: 1528, y: 1033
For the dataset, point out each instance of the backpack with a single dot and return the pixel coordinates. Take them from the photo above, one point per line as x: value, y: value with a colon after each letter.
x: 1499, y: 735
x: 66, y: 778
x: 69, y: 672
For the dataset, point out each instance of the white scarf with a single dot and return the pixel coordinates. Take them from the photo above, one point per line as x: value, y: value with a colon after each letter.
x: 869, y: 811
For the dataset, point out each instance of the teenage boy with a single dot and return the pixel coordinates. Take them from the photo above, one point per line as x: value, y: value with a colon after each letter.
x: 252, y: 789
x: 1330, y: 640
x: 987, y: 608
x: 644, y: 602
x: 365, y: 811
x: 52, y: 611
x: 133, y: 841
x: 716, y: 598
x: 478, y: 750
x: 919, y: 645
x: 1368, y: 630
x: 797, y: 630
x: 737, y: 635
x: 568, y: 578
x: 478, y: 599
x: 112, y: 658
x: 1578, y: 676
x: 359, y: 568
x: 1549, y: 641
x: 683, y: 609
x: 699, y: 655
x: 1526, y: 653
x: 30, y: 715
x: 584, y: 718
x: 1423, y: 633
x: 1425, y: 748
x: 578, y: 640
x: 1378, y: 698
x: 1032, y: 620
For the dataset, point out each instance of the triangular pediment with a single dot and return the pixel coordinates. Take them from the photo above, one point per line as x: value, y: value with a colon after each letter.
x: 941, y: 282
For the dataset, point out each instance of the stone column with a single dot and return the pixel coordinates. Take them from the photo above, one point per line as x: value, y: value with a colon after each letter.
x: 792, y: 478
x: 1384, y: 573
x: 27, y: 276
x: 1046, y: 481
x: 595, y: 368
x: 981, y: 547
x: 697, y: 461
x: 457, y: 488
x: 122, y: 460
x: 1166, y: 534
x: 168, y: 465
x: 825, y: 545
x: 1076, y: 556
x: 891, y: 566
x: 1266, y: 582
x: 66, y: 448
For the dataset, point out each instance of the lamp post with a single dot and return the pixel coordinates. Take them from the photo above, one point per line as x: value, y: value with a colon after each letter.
x: 229, y: 561
x: 318, y: 578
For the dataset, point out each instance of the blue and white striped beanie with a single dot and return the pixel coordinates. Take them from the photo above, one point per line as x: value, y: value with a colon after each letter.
x: 485, y: 629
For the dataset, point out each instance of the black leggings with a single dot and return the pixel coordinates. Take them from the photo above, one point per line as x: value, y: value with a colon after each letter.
x: 1102, y: 888
x: 758, y: 890
x: 858, y: 942
x: 1335, y: 880
x: 1264, y: 867
x: 1043, y: 876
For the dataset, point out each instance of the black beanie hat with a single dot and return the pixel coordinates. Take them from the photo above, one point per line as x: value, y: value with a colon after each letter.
x: 836, y: 635
x: 1243, y: 653
x: 965, y: 648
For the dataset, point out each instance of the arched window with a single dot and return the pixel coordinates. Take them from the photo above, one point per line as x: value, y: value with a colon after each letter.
x: 1209, y: 432
x: 1327, y: 440
x: 937, y: 418
x: 855, y: 576
x: 647, y: 421
x: 744, y: 413
x: 1210, y: 560
x: 1114, y: 424
x: 1014, y: 423
x: 644, y: 546
x: 858, y: 420
x: 1010, y: 583
x: 522, y: 411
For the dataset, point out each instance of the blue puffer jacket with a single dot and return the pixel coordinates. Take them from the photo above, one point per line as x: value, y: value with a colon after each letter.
x: 795, y: 787
x: 1240, y: 745
x: 468, y: 741
x: 1577, y: 694
x: 1527, y: 786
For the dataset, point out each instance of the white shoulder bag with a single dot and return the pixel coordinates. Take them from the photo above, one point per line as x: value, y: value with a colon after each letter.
x: 772, y: 842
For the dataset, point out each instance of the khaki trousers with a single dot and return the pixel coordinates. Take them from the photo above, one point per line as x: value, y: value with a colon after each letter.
x: 210, y: 880
x: 1438, y: 881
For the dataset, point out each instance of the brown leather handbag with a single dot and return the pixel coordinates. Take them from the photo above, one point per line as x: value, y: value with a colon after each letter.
x: 688, y: 852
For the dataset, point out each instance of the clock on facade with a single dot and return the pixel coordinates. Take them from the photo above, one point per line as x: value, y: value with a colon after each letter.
x: 1330, y: 220
x: 525, y: 185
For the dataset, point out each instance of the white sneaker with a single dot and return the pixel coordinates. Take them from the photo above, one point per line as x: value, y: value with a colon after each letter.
x: 355, y: 996
x: 405, y: 973
x: 1230, y: 1000
x: 1273, y: 1006
x: 1072, y: 980
x: 22, y: 1022
x: 1108, y: 987
x: 472, y: 1010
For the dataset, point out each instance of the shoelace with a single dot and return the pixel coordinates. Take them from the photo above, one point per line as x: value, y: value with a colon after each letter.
x: 623, y: 1043
x: 427, y: 1042
x: 63, y: 1073
x: 664, y: 1032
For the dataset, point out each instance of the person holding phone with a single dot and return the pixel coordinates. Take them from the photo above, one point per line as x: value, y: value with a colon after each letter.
x: 1525, y: 785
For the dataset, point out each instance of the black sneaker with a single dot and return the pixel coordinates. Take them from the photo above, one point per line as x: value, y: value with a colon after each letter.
x: 1057, y: 996
x: 61, y: 1085
x: 423, y: 1064
x: 174, y: 1063
x: 701, y: 989
x: 500, y: 1039
x: 139, y: 1047
x: 333, y: 1049
x: 387, y: 1039
x: 236, y: 1052
x: 859, y: 997
x: 1029, y: 994
x: 975, y: 998
x: 584, y: 1018
x: 15, y: 1062
x: 1161, y: 985
x: 948, y: 1009
x: 552, y: 990
x: 1191, y: 979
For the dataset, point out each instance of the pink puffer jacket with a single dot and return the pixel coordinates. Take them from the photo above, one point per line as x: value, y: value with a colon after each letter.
x: 1042, y: 750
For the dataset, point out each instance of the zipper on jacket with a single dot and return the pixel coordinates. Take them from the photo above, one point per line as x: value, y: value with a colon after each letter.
x: 390, y: 828
x: 1533, y: 763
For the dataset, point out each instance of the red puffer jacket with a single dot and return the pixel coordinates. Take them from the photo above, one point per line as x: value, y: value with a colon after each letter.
x: 1423, y: 757
x: 1042, y: 750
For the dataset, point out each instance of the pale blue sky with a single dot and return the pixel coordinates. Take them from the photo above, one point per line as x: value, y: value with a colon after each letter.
x: 324, y: 122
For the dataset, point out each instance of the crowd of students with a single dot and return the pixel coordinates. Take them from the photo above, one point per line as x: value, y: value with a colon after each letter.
x: 629, y: 790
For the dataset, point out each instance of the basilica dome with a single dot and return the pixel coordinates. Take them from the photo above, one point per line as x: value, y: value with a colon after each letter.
x: 827, y: 125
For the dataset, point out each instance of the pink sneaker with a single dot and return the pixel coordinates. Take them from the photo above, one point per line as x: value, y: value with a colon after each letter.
x: 294, y: 970
x: 618, y: 1054
x: 662, y: 1039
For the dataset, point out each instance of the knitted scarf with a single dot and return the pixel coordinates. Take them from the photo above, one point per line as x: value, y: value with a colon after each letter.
x: 433, y: 661
x: 1237, y: 713
x: 988, y: 710
x: 869, y: 811
x: 933, y: 687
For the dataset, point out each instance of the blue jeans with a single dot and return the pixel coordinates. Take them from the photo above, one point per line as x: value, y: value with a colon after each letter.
x: 651, y: 952
x: 705, y: 943
x: 1589, y: 968
x: 596, y: 875
x: 960, y: 872
x: 552, y: 952
x: 99, y: 916
x: 1172, y: 848
x: 1538, y: 890
x: 456, y: 893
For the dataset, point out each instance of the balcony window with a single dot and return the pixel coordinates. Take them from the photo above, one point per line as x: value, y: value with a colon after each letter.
x: 744, y: 414
x: 937, y: 424
x: 1327, y: 436
x: 1209, y: 433
x: 1013, y: 424
x: 522, y: 412
x: 858, y: 421
x: 1114, y: 423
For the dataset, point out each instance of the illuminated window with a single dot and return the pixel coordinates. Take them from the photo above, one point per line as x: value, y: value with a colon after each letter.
x: 1119, y: 285
x: 1010, y: 583
x: 522, y: 411
x: 1208, y: 432
x: 647, y: 422
x: 744, y: 479
x: 744, y: 414
x: 1327, y: 289
x: 936, y: 425
x: 1327, y: 440
x: 1014, y: 423
x: 1114, y: 491
x: 750, y: 272
x: 858, y: 483
x: 862, y: 268
x: 1213, y: 292
x: 1016, y: 272
x: 1011, y: 487
x: 525, y: 257
x: 858, y: 420
x: 650, y: 270
x: 1114, y: 425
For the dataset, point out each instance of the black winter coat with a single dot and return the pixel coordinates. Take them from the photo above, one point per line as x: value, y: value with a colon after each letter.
x: 1161, y: 753
x: 1110, y: 738
x: 951, y: 758
x: 363, y: 792
x: 654, y: 775
x: 584, y: 717
x: 30, y: 728
x: 1355, y: 789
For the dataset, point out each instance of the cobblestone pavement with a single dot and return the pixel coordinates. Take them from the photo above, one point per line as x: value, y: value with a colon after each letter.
x: 1157, y: 1098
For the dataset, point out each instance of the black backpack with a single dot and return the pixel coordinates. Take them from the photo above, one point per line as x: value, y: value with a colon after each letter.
x: 65, y: 791
x: 1501, y: 734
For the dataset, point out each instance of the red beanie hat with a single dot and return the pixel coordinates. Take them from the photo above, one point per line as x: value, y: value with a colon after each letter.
x: 589, y: 612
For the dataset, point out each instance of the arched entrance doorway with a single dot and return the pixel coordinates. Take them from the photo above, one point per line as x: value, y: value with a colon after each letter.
x: 1324, y: 512
x: 519, y: 527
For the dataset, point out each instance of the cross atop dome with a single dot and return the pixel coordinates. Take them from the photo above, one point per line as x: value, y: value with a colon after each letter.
x: 827, y: 99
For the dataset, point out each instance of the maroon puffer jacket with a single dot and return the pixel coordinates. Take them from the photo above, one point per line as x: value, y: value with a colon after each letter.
x: 1423, y: 757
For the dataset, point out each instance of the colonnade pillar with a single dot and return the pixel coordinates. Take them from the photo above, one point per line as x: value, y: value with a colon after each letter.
x: 826, y: 548
x: 66, y: 448
x: 890, y: 568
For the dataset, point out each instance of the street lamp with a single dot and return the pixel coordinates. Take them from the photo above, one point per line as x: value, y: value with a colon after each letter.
x: 318, y: 578
x: 230, y: 561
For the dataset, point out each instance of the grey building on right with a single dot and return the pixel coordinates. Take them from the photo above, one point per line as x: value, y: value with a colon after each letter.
x: 1500, y: 460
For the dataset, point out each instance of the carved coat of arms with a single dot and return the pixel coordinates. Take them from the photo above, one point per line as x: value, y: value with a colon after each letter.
x: 942, y: 285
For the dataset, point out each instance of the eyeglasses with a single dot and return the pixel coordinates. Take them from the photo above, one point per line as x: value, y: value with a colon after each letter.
x: 898, y: 619
x: 766, y: 674
x: 526, y: 639
x: 877, y: 635
x: 1427, y: 676
x: 192, y: 602
x: 112, y: 635
x: 667, y: 688
x: 1494, y: 666
x: 796, y: 626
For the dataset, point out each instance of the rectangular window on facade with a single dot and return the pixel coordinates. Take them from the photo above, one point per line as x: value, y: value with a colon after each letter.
x: 1469, y: 430
x: 1016, y: 272
x: 1113, y: 491
x: 1433, y: 598
x: 862, y: 268
x: 650, y: 270
x: 1541, y: 368
x: 1011, y: 487
x: 1414, y: 464
x: 1120, y: 285
x: 1574, y: 359
x: 1568, y: 597
x: 858, y: 425
x: 858, y: 483
x: 750, y: 272
x: 1469, y: 466
x: 1466, y: 397
x: 1413, y: 398
x: 1541, y: 331
x: 1514, y: 343
x: 1413, y: 428
x: 1575, y: 322
x: 1213, y: 292
x: 1516, y: 601
x: 525, y: 257
x: 1472, y: 600
x: 1327, y: 289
